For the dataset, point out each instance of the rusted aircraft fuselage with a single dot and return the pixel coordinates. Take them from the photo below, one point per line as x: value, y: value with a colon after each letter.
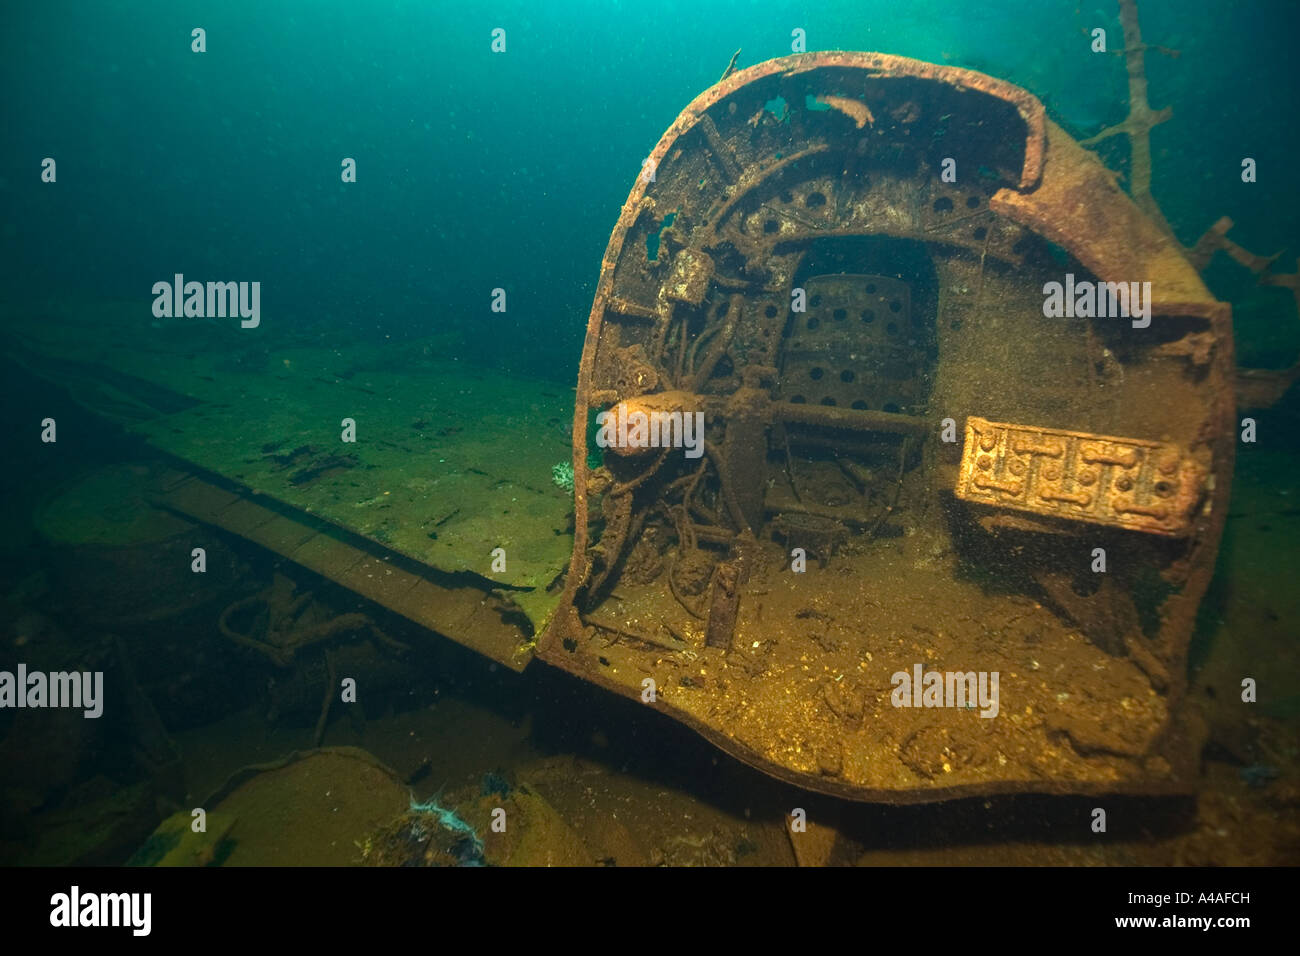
x: 937, y: 537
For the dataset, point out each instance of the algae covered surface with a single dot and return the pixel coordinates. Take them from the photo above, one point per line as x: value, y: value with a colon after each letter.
x: 450, y: 462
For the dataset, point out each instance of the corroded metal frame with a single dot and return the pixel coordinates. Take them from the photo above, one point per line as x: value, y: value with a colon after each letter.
x: 1062, y: 193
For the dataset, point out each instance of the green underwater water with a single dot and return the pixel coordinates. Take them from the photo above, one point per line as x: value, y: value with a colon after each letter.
x: 478, y: 171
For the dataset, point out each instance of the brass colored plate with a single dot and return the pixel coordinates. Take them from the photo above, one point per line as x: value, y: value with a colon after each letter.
x: 1121, y: 482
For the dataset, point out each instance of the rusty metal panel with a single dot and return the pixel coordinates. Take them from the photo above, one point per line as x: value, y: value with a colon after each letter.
x: 821, y: 440
x: 1121, y: 482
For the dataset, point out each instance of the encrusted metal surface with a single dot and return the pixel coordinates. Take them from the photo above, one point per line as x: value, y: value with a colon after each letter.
x: 767, y: 590
x: 855, y: 346
x: 1122, y: 482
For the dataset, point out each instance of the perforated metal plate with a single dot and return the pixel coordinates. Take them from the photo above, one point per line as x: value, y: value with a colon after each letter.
x: 855, y: 346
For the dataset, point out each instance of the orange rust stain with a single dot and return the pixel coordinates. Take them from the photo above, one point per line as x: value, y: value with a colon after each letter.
x: 854, y: 109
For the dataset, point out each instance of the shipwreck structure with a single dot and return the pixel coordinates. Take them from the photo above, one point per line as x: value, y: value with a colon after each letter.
x: 901, y: 529
x: 840, y: 259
